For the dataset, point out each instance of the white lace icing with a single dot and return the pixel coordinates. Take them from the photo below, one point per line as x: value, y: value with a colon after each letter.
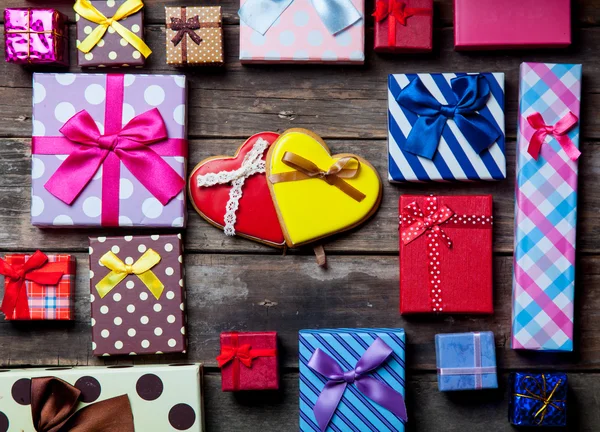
x: 252, y: 164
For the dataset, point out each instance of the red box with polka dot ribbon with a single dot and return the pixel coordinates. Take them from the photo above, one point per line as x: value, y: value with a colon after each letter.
x: 137, y: 293
x: 446, y: 254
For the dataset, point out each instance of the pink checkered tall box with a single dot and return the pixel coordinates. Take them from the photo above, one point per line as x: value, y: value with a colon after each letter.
x: 546, y: 206
x: 302, y: 31
x: 38, y: 286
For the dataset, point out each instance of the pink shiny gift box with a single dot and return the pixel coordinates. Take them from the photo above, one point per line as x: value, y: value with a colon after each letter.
x: 36, y: 36
x: 511, y: 24
x: 301, y: 34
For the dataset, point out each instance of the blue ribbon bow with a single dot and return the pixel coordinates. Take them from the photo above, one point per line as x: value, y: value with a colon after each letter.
x: 337, y: 15
x: 471, y: 93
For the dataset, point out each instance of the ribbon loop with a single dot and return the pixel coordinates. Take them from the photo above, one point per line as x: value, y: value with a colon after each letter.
x: 331, y: 395
x: 346, y: 167
x: 119, y: 271
x: 337, y: 15
x: 131, y: 145
x: 54, y: 404
x: 420, y: 224
x: 15, y: 304
x: 87, y: 10
x: 558, y: 131
x: 470, y: 93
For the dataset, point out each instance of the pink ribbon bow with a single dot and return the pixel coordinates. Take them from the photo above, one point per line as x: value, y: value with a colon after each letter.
x: 421, y: 224
x: 558, y: 131
x: 130, y: 145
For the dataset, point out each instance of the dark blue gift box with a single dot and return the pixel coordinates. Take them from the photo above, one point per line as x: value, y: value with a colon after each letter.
x: 538, y: 399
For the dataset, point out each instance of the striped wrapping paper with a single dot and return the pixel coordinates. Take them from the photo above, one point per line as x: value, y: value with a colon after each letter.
x: 355, y: 412
x: 455, y: 158
x: 546, y: 213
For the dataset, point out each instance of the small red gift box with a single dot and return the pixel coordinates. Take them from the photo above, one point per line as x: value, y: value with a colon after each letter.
x: 248, y: 361
x: 38, y: 286
x: 403, y: 26
x: 446, y: 254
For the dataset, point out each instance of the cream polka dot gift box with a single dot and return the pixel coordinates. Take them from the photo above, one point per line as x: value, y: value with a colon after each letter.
x: 137, y: 293
x: 116, y: 160
x: 158, y: 398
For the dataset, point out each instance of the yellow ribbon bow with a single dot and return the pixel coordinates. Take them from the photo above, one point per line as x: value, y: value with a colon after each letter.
x: 87, y: 10
x: 120, y: 270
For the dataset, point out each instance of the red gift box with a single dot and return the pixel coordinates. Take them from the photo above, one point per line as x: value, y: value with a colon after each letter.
x: 403, y: 26
x: 516, y: 24
x: 248, y: 361
x: 38, y: 286
x: 446, y: 254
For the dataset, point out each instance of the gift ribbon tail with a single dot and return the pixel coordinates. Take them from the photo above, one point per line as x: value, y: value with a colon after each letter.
x: 383, y: 395
x: 327, y: 403
x: 134, y: 40
x: 109, y: 281
x: 569, y: 147
x: 260, y: 15
x: 153, y: 284
x: 337, y: 15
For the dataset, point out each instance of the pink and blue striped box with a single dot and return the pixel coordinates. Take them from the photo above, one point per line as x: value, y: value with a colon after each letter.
x: 546, y: 207
x: 355, y: 412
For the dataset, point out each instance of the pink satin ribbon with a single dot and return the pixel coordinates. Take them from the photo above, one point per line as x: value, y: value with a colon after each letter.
x: 88, y: 149
x: 558, y: 131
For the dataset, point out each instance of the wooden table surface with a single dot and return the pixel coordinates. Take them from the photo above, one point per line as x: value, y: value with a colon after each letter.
x: 234, y: 284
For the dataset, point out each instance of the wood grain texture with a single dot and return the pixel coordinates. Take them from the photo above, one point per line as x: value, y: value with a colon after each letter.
x: 250, y: 292
x: 235, y: 284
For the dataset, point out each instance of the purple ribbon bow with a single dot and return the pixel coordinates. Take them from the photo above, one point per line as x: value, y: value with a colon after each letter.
x: 376, y: 390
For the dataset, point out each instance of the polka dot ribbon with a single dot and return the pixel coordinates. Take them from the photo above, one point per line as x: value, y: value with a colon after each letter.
x: 119, y: 271
x: 414, y: 223
x: 244, y: 354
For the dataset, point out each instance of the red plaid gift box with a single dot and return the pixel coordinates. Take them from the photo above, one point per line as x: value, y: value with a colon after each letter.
x: 45, y: 301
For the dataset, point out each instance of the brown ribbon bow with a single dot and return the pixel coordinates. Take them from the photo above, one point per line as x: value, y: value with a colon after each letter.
x: 54, y: 403
x: 183, y: 27
x: 334, y: 176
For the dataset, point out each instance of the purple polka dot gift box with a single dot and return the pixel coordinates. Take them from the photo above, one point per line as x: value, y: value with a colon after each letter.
x: 137, y: 293
x: 109, y: 161
x: 138, y: 398
x: 302, y: 31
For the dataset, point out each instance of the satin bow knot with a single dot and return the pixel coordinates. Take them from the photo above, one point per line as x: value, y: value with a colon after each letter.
x: 131, y: 145
x: 15, y: 304
x: 374, y: 357
x: 470, y: 94
x: 420, y: 223
x: 188, y: 27
x: 398, y: 10
x: 558, y: 131
x: 119, y: 271
x: 241, y: 353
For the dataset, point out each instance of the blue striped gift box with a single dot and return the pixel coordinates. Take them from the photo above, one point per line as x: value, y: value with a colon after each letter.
x: 455, y: 158
x: 355, y: 413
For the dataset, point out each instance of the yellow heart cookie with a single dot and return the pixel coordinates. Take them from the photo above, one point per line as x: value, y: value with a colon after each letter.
x: 317, y: 194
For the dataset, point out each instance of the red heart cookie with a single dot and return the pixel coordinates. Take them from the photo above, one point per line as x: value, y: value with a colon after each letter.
x: 215, y: 185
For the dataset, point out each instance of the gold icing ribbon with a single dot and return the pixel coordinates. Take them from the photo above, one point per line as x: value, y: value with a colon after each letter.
x: 87, y: 10
x: 545, y: 398
x: 119, y: 271
x: 335, y: 175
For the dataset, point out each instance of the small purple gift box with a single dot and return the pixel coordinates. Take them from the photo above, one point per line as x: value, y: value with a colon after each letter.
x: 35, y: 36
x: 109, y: 150
x: 466, y: 361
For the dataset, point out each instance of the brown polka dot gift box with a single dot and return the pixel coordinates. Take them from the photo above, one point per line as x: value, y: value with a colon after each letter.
x: 194, y: 36
x: 137, y: 295
x: 103, y: 399
x: 110, y: 33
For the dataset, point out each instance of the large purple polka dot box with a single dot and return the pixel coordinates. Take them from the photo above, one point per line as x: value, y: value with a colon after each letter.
x: 109, y: 150
x: 137, y: 295
x: 165, y: 398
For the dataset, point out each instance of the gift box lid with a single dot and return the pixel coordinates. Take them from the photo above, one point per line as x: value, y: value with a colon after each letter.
x: 529, y: 393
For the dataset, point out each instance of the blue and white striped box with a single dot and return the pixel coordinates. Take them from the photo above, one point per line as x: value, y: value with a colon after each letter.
x: 455, y: 158
x: 356, y: 412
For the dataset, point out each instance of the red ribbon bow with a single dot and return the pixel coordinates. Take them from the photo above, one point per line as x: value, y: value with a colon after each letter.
x: 420, y: 223
x: 398, y: 10
x: 558, y: 131
x: 15, y: 304
x: 130, y: 145
x: 237, y: 354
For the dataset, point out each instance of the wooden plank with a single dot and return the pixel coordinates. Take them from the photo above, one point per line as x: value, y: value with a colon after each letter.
x: 337, y: 102
x: 378, y: 235
x: 585, y: 12
x: 249, y: 292
x: 428, y: 409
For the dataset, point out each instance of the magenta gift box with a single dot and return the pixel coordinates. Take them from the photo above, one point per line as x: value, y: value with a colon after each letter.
x: 115, y: 194
x: 511, y: 24
x: 35, y: 36
x: 299, y: 35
